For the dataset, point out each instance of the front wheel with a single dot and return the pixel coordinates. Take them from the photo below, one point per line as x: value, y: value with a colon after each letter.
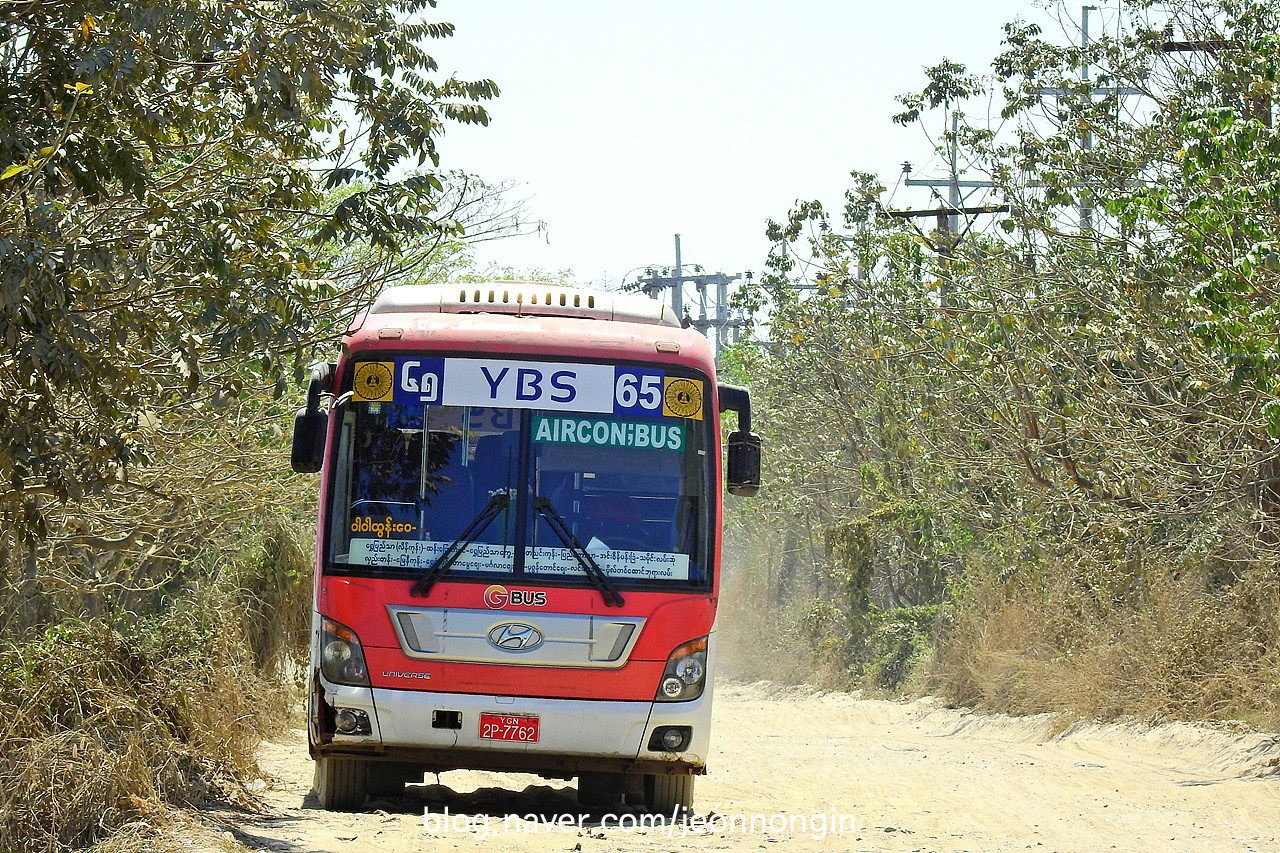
x: 668, y: 795
x: 388, y: 778
x: 341, y: 783
x: 600, y: 790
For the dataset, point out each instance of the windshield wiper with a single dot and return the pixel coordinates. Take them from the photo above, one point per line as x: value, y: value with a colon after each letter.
x: 595, y: 574
x: 436, y: 570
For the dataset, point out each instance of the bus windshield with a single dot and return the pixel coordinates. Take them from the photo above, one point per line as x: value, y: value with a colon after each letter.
x: 410, y: 480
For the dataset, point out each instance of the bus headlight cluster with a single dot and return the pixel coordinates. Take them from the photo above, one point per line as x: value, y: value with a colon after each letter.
x: 686, y: 673
x: 341, y: 657
x: 352, y: 721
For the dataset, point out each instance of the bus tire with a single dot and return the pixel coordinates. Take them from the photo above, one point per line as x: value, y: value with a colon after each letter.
x: 341, y: 783
x: 600, y: 790
x: 388, y: 778
x: 633, y: 789
x: 668, y: 795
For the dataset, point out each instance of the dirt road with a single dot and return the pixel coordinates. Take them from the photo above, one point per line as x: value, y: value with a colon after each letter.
x: 812, y: 771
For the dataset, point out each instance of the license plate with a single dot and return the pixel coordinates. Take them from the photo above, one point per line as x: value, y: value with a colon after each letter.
x: 517, y: 727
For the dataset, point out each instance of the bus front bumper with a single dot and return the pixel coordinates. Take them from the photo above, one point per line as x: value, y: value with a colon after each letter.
x: 442, y: 731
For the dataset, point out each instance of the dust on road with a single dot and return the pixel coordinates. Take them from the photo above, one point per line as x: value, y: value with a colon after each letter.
x: 811, y: 771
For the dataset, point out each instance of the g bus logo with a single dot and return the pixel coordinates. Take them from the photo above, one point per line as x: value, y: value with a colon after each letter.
x: 497, y: 597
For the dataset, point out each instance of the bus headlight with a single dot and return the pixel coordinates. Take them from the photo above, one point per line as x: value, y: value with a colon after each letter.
x: 352, y: 721
x: 686, y: 673
x: 341, y: 657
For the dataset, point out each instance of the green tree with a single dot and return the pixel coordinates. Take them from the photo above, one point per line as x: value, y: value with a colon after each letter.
x: 193, y: 197
x: 163, y: 169
x: 1084, y: 396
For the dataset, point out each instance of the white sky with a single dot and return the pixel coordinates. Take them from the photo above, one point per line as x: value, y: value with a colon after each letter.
x: 626, y: 124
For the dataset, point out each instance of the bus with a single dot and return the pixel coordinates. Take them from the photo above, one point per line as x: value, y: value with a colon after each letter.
x: 518, y: 552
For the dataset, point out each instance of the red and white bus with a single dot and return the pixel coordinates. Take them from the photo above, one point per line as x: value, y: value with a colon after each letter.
x: 519, y: 542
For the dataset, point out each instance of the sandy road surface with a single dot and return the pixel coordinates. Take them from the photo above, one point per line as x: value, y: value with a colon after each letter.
x: 910, y: 777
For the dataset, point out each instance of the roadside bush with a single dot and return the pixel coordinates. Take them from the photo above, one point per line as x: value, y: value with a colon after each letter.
x: 103, y: 722
x: 897, y: 644
x: 1152, y: 641
x: 274, y: 590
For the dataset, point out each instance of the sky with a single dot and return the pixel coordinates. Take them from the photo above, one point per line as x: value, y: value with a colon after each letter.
x: 623, y: 124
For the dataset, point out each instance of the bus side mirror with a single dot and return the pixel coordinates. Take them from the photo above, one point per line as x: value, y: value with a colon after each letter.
x: 309, y: 430
x: 311, y: 425
x: 743, y: 477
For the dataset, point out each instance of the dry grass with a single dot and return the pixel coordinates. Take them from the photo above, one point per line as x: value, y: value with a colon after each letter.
x: 1154, y: 643
x: 104, y: 724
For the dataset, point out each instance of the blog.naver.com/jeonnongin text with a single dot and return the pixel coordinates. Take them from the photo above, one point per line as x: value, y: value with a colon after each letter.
x: 816, y: 825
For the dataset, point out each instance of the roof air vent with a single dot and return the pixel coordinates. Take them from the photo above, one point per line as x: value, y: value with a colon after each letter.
x: 556, y: 302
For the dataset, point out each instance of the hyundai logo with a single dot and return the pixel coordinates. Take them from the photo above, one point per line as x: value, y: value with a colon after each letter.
x: 515, y: 636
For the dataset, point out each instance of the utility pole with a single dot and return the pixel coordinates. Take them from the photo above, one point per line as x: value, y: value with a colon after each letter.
x: 952, y: 182
x: 948, y: 214
x: 677, y: 290
x: 950, y: 223
x: 1084, y: 208
x: 947, y: 245
x: 717, y: 302
x: 1086, y: 136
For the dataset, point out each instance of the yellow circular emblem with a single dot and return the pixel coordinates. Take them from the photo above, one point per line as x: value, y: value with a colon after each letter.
x: 372, y: 381
x: 683, y: 398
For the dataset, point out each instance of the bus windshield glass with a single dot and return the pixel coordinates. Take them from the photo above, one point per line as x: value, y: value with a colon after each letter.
x: 409, y: 480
